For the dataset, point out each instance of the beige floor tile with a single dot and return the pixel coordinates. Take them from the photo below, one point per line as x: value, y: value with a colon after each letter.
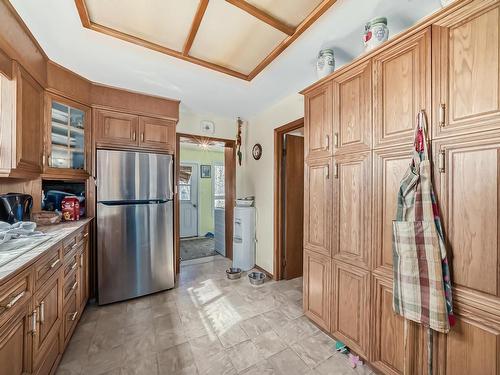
x: 255, y: 326
x: 276, y: 319
x: 261, y: 368
x: 314, y: 349
x: 296, y: 329
x: 336, y: 364
x: 288, y: 363
x: 244, y: 355
x: 141, y: 366
x: 205, y: 347
x: 218, y: 364
x: 176, y: 360
x: 232, y: 336
x: 105, y: 360
x: 269, y: 344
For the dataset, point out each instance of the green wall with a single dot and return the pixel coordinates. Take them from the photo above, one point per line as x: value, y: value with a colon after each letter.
x: 205, y: 195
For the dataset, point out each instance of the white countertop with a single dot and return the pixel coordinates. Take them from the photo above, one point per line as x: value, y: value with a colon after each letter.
x: 30, y: 250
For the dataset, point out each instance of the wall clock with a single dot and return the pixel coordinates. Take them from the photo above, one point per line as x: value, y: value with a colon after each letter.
x: 257, y: 151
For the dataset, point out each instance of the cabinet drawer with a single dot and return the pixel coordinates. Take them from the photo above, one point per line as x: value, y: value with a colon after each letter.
x: 47, y: 266
x: 70, y: 285
x: 14, y: 293
x: 82, y: 235
x: 70, y: 264
x: 70, y: 316
x: 69, y: 244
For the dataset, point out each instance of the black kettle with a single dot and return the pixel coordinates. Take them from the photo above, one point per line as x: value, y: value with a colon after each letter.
x: 15, y: 207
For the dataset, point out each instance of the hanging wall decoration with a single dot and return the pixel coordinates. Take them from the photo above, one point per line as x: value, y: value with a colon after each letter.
x: 238, y: 141
x: 257, y: 151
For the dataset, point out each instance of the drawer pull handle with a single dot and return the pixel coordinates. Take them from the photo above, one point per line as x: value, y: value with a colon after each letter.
x: 14, y: 300
x: 327, y: 142
x: 72, y: 317
x: 336, y: 139
x: 442, y: 116
x: 133, y: 136
x: 42, y: 312
x: 54, y: 263
x: 73, y: 266
x: 73, y: 287
x: 33, y: 323
x: 85, y: 235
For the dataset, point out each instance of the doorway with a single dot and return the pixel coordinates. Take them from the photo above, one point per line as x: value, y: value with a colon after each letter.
x: 289, y: 200
x: 205, y: 179
x: 188, y: 199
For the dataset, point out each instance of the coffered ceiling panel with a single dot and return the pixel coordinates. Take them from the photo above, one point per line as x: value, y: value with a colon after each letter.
x: 163, y: 22
x: 288, y: 12
x: 236, y: 37
x: 239, y: 42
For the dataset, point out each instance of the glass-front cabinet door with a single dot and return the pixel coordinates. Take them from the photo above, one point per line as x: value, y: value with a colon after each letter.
x: 67, y: 141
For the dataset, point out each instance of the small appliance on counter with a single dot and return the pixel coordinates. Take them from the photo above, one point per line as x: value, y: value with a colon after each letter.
x: 15, y: 207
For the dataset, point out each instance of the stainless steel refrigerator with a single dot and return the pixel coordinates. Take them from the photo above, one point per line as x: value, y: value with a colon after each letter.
x: 135, y: 239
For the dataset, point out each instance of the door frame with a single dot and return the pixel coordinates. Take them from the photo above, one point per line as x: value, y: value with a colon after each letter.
x: 278, y: 196
x: 197, y: 166
x: 229, y: 190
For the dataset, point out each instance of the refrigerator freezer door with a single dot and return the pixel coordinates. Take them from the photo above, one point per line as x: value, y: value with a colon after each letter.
x: 135, y: 250
x: 128, y: 175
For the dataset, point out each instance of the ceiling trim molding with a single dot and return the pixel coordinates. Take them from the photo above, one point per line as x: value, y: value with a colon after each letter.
x: 263, y: 16
x: 184, y: 54
x: 200, y: 12
x: 304, y: 25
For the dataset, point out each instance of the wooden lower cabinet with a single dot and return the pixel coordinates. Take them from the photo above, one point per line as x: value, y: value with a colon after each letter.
x: 351, y: 306
x: 48, y: 302
x: 70, y: 316
x: 317, y: 284
x: 15, y: 343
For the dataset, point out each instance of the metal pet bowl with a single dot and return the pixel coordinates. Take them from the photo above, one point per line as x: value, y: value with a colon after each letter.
x: 233, y: 273
x: 256, y: 278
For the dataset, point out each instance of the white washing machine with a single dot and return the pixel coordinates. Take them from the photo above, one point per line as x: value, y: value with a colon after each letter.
x: 244, y: 238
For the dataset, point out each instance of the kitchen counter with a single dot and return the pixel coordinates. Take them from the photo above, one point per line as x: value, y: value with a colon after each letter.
x: 31, y: 253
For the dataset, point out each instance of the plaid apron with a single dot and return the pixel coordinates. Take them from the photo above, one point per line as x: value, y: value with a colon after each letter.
x: 421, y: 283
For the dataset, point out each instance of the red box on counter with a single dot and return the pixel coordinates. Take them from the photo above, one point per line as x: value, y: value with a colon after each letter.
x: 70, y: 207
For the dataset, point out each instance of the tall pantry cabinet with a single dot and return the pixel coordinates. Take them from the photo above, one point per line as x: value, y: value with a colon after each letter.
x: 360, y: 123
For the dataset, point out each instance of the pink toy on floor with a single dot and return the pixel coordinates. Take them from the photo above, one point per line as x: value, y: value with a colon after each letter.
x: 354, y: 360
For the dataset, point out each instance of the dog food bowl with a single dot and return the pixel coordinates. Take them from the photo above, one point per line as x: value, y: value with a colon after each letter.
x: 233, y: 273
x: 256, y: 278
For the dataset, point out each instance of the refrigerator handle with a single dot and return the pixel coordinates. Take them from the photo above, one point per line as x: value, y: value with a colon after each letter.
x: 173, y: 184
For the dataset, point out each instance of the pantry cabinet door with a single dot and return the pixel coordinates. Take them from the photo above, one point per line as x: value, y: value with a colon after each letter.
x: 351, y: 227
x: 352, y: 110
x: 318, y: 122
x: 467, y: 71
x: 157, y: 134
x: 393, y: 352
x: 116, y: 129
x: 318, y: 206
x: 401, y: 88
x: 468, y: 179
x: 351, y: 301
x: 317, y: 283
x: 389, y: 168
x: 471, y: 347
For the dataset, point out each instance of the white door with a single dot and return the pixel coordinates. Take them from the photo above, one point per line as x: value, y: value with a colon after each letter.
x: 188, y: 197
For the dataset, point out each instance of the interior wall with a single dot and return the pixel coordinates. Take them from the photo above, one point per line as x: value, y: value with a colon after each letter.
x: 205, y: 185
x: 259, y: 174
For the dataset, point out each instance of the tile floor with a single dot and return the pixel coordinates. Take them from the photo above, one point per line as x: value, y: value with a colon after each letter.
x: 194, y: 248
x: 208, y: 325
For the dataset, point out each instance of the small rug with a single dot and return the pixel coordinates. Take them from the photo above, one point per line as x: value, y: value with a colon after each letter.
x: 194, y: 248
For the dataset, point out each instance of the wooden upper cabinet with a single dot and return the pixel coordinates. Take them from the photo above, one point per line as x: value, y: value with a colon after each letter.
x: 317, y: 284
x: 318, y: 122
x: 467, y: 71
x: 318, y: 205
x: 469, y: 181
x: 352, y: 110
x: 389, y: 166
x: 352, y: 208
x: 21, y: 125
x: 116, y: 129
x: 67, y: 137
x: 401, y: 88
x: 157, y: 134
x: 351, y: 301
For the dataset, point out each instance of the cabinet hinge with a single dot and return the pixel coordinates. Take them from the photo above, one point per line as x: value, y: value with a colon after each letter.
x: 441, y: 157
x: 442, y: 115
